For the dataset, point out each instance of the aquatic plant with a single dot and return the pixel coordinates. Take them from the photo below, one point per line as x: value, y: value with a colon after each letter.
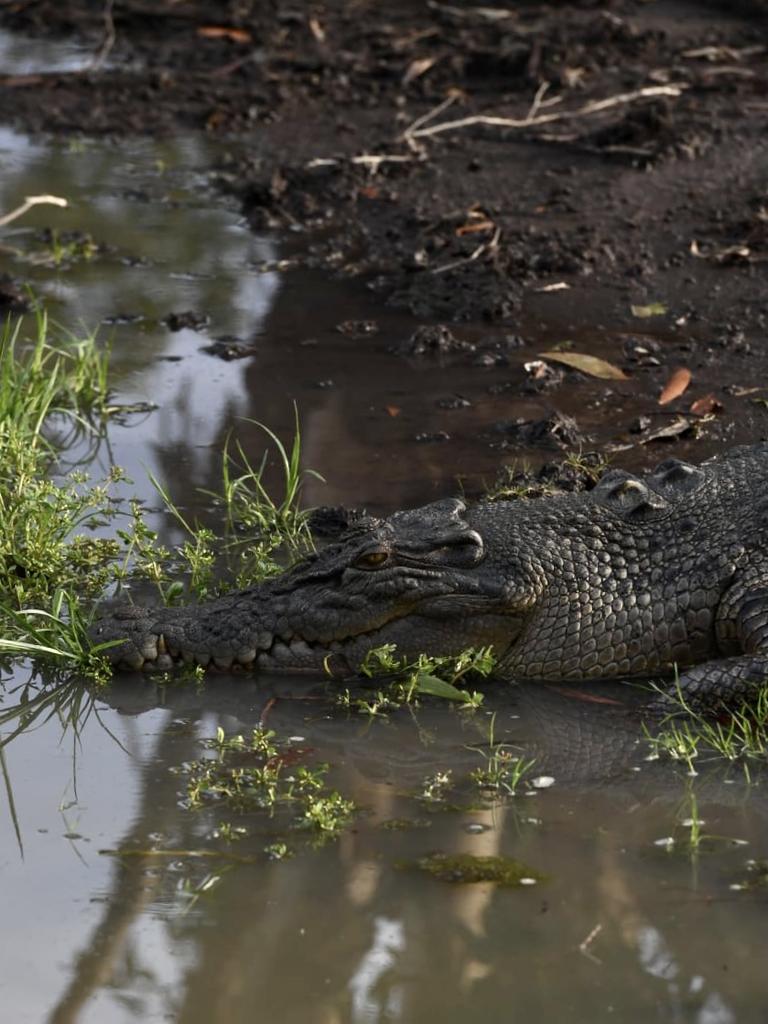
x: 502, y: 771
x: 739, y: 737
x: 404, y: 680
x: 256, y: 773
x: 470, y: 869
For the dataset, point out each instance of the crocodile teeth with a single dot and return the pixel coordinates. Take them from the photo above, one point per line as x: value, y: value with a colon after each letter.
x: 202, y: 658
x: 223, y: 662
x: 187, y: 657
x: 263, y: 661
x: 163, y: 663
x: 161, y: 648
x: 149, y: 648
x: 264, y: 641
x: 247, y: 657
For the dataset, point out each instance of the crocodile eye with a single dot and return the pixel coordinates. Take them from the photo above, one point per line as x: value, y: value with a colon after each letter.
x: 372, y: 560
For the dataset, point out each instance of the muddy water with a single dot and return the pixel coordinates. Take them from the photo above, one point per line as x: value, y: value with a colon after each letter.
x: 619, y: 925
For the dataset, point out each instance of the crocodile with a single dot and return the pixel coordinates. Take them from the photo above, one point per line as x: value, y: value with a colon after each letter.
x: 641, y: 576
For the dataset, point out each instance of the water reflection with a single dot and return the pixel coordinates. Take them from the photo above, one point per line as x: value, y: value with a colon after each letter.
x: 340, y: 933
x: 23, y: 55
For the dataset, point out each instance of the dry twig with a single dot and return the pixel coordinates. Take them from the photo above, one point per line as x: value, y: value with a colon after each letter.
x: 474, y: 255
x: 372, y: 161
x: 584, y: 946
x: 420, y: 131
x: 28, y: 203
x: 109, y: 38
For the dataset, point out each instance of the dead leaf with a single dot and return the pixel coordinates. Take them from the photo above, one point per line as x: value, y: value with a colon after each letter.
x: 675, y: 386
x: 590, y: 365
x: 652, y: 309
x: 234, y: 35
x: 369, y: 192
x: 417, y: 68
x: 478, y: 225
x: 317, y: 30
x: 706, y: 405
x: 393, y: 410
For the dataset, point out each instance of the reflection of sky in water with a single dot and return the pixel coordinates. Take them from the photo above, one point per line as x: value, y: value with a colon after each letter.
x: 20, y: 55
x: 66, y: 805
x: 169, y: 250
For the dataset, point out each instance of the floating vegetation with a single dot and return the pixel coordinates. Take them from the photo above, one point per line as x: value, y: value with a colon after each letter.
x: 435, y: 788
x: 256, y: 773
x: 468, y: 869
x: 404, y: 824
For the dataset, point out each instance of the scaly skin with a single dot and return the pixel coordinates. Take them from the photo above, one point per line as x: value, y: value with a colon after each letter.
x: 635, y: 578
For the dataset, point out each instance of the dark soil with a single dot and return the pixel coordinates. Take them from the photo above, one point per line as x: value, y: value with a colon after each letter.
x: 656, y: 200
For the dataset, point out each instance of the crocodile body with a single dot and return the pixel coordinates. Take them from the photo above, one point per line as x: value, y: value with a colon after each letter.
x: 640, y: 576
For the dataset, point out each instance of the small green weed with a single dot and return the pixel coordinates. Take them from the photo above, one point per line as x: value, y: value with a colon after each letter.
x: 269, y: 524
x: 435, y: 788
x: 689, y: 835
x: 255, y: 773
x: 66, y: 247
x: 407, y: 680
x: 740, y: 737
x: 502, y: 771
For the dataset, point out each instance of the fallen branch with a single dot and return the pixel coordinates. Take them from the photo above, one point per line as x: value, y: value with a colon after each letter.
x: 28, y: 203
x: 108, y: 41
x: 474, y: 255
x: 372, y: 161
x: 417, y: 131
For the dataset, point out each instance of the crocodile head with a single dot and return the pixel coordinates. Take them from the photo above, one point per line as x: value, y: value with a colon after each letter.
x: 427, y: 580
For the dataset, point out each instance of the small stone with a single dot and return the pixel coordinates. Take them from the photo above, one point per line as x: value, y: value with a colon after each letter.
x: 475, y: 828
x: 426, y: 438
x: 543, y: 782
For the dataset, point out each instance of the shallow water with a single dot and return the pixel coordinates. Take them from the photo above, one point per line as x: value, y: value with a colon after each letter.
x: 619, y: 927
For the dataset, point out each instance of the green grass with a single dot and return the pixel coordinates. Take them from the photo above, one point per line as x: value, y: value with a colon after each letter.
x: 689, y: 738
x: 263, y: 533
x: 54, y: 393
